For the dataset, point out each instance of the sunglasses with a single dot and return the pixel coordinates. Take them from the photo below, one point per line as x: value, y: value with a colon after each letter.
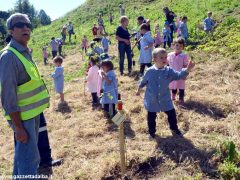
x: 22, y: 25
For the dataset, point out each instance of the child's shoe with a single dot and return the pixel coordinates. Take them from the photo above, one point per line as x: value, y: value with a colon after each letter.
x: 181, y: 102
x: 177, y: 133
x: 151, y: 137
x: 173, y: 97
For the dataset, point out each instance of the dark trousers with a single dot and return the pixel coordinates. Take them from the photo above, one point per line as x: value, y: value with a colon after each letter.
x: 45, y: 61
x: 122, y: 49
x: 94, y: 98
x: 60, y: 50
x: 167, y: 43
x: 84, y: 49
x: 172, y: 31
x: 54, y: 54
x: 142, y: 67
x: 181, y: 93
x: 172, y: 121
x: 43, y: 142
x: 107, y: 108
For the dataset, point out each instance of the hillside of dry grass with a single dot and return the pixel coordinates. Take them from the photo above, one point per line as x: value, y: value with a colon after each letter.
x: 88, y: 143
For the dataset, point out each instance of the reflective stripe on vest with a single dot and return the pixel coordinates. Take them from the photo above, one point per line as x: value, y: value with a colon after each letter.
x: 33, y: 96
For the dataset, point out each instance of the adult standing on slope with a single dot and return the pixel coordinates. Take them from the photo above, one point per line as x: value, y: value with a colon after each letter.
x: 124, y: 44
x: 170, y: 15
x: 23, y: 93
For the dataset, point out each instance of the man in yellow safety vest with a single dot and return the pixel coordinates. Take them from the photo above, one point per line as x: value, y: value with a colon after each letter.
x: 24, y: 95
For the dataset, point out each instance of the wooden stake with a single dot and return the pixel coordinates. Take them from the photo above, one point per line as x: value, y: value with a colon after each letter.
x: 122, y: 139
x: 122, y: 149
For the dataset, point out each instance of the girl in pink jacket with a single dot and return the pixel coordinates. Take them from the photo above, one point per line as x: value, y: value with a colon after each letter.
x: 94, y: 82
x: 178, y: 60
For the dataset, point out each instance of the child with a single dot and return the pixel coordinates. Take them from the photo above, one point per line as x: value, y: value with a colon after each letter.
x: 179, y: 21
x: 110, y: 18
x: 178, y: 60
x: 146, y: 44
x: 158, y: 38
x: 208, y: 23
x: 95, y: 31
x: 94, y: 81
x: 45, y: 55
x: 105, y: 43
x: 166, y: 35
x: 54, y: 46
x: 110, y: 92
x: 58, y: 76
x: 183, y: 28
x: 96, y: 49
x: 101, y: 27
x: 157, y: 96
x: 84, y: 44
x: 60, y: 44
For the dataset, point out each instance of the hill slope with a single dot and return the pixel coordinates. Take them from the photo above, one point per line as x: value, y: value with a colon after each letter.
x: 89, y: 144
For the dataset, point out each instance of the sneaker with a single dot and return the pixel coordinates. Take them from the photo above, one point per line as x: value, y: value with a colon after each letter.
x: 177, y: 132
x: 140, y: 75
x: 173, y: 97
x: 151, y: 137
x: 181, y: 102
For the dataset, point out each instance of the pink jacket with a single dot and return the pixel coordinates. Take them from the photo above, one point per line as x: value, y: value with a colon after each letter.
x: 94, y: 80
x: 84, y: 43
x: 177, y: 63
x: 45, y: 53
x: 158, y: 39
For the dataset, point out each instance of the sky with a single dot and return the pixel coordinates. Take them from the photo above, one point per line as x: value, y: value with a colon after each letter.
x: 53, y: 8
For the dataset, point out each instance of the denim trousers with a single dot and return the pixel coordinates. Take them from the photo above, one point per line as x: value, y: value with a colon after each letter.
x: 27, y: 158
x: 122, y: 49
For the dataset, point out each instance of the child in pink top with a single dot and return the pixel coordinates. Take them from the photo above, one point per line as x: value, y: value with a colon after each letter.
x: 84, y: 43
x: 178, y: 60
x: 94, y: 82
x: 158, y: 39
x: 45, y: 54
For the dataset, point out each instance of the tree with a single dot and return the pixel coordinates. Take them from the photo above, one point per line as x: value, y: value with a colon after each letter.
x: 4, y: 15
x: 44, y: 18
x: 2, y: 28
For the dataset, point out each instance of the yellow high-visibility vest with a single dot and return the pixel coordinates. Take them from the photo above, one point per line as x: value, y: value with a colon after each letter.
x: 33, y: 96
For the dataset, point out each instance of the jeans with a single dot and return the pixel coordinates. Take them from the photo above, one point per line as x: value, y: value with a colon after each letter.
x: 60, y: 50
x: 167, y: 43
x: 54, y: 54
x: 181, y: 93
x: 172, y: 120
x: 122, y: 48
x: 142, y: 67
x: 27, y: 158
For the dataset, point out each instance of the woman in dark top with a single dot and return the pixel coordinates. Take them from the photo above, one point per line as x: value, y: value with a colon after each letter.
x: 170, y: 15
x: 124, y: 44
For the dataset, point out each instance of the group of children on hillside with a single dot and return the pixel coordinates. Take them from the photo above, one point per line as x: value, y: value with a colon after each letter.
x: 102, y: 83
x: 168, y: 72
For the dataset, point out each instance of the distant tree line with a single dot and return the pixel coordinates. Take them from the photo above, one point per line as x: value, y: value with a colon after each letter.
x: 24, y: 6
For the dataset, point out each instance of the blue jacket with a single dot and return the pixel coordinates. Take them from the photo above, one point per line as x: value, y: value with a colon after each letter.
x: 146, y: 55
x: 110, y: 91
x: 157, y: 95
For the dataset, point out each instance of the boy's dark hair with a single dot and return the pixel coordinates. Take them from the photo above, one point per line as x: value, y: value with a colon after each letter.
x: 108, y: 64
x: 144, y: 26
x: 94, y: 60
x: 52, y: 38
x: 179, y: 40
x: 58, y: 59
x: 184, y: 18
x: 140, y: 18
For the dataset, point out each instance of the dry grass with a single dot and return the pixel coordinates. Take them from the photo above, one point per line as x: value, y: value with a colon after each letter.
x: 88, y: 143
